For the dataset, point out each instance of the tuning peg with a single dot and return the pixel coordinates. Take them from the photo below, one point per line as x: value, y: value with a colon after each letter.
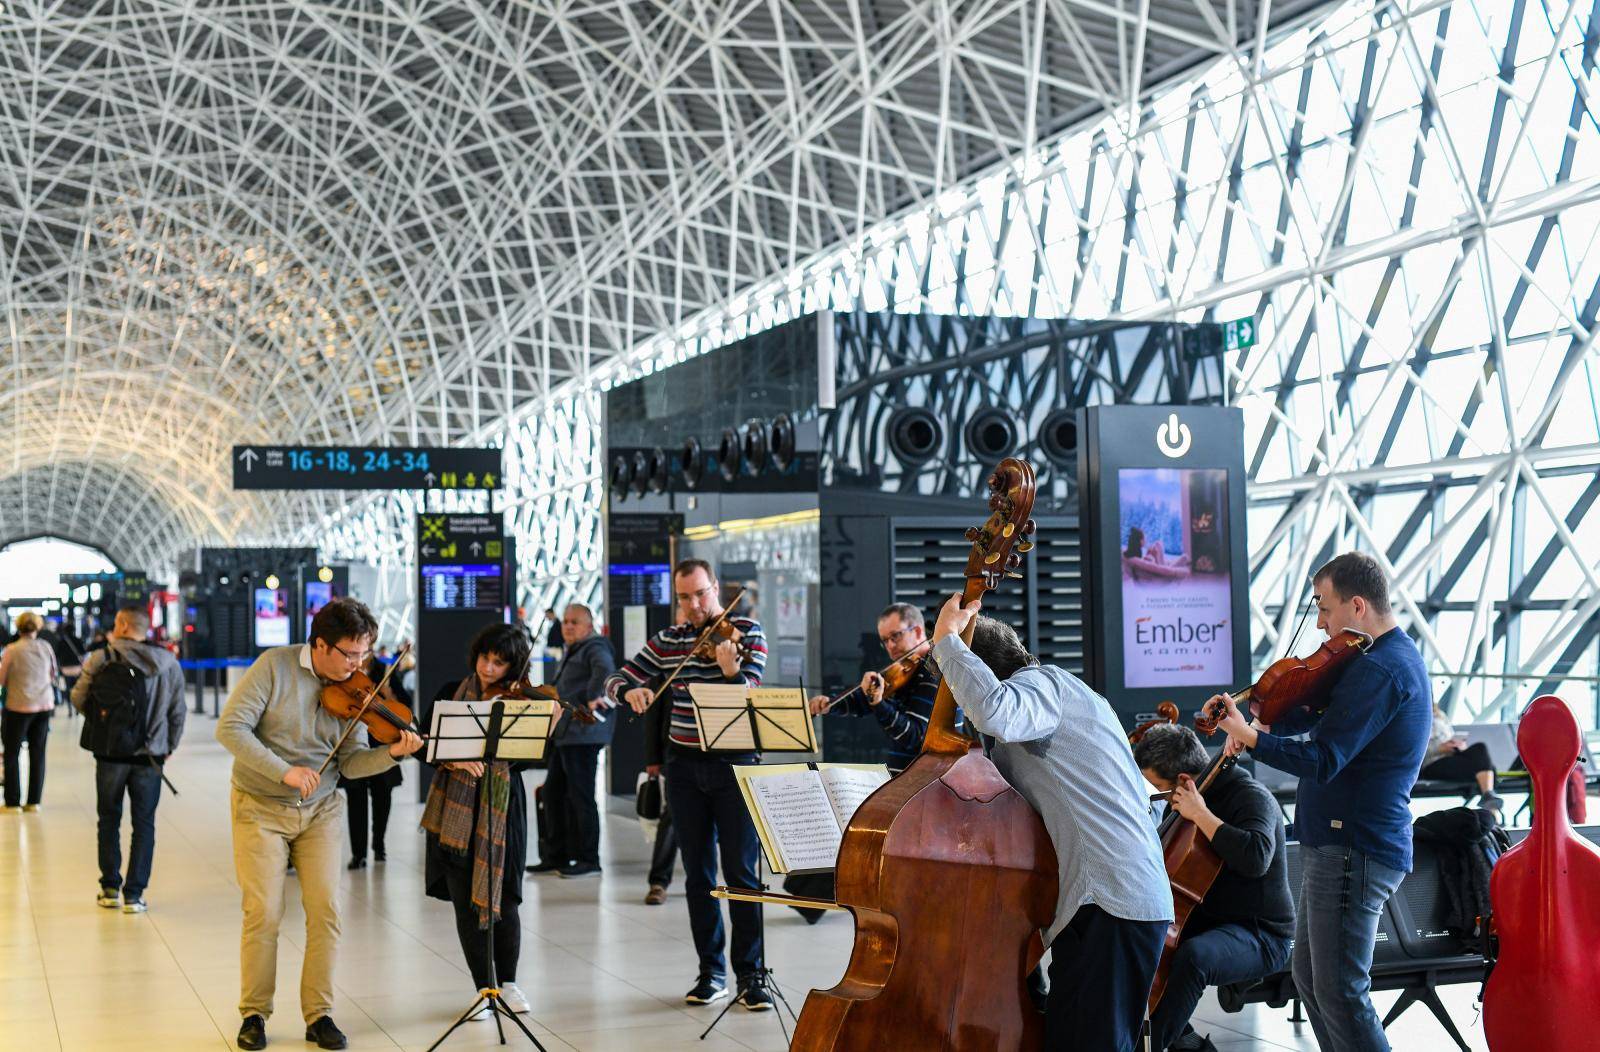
x: 1013, y: 575
x: 1025, y: 547
x: 972, y: 533
x: 1029, y: 527
x: 1013, y: 561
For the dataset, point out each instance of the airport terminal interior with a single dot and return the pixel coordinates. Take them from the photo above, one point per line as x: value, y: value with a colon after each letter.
x: 1001, y: 526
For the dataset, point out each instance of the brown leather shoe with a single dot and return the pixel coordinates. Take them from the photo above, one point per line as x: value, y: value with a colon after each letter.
x: 657, y: 895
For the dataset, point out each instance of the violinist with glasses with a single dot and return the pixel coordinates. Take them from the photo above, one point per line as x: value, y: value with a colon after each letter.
x: 473, y: 859
x: 1352, y: 815
x: 289, y: 752
x: 902, y: 708
x: 1241, y: 928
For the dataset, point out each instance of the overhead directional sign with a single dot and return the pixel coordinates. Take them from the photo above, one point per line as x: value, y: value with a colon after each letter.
x: 1237, y: 335
x: 364, y: 467
x: 461, y: 561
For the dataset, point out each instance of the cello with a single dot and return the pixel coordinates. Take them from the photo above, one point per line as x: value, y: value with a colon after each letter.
x: 949, y: 874
x: 1545, y: 894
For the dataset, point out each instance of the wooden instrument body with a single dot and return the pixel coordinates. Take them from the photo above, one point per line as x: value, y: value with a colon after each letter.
x: 1544, y: 992
x: 948, y: 871
x: 938, y: 843
x: 1192, y: 867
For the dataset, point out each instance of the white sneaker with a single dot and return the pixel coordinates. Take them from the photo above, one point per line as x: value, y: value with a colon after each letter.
x: 481, y: 1014
x: 514, y: 998
x: 106, y: 899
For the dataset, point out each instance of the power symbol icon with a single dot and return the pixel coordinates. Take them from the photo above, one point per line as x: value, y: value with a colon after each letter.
x: 1173, y: 438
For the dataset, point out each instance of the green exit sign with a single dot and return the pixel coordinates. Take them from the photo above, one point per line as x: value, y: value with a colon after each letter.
x: 1237, y: 335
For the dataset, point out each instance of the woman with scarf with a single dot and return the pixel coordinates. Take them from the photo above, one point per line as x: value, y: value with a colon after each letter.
x: 474, y: 859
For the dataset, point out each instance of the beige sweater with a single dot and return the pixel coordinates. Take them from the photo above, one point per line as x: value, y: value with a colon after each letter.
x: 28, y: 672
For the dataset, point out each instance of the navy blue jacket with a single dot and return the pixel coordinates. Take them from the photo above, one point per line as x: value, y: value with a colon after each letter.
x: 580, y: 679
x: 1362, y: 756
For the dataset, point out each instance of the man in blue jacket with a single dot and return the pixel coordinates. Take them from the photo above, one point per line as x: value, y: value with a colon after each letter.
x: 1352, y: 813
x: 570, y: 808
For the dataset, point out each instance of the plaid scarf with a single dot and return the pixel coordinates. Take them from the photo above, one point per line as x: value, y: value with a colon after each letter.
x: 448, y: 815
x: 452, y: 804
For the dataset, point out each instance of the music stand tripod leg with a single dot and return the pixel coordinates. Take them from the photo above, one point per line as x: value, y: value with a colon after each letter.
x: 763, y: 973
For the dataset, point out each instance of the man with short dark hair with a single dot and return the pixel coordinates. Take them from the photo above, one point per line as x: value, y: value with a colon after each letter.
x: 136, y: 775
x: 708, y: 810
x: 573, y: 840
x: 1059, y: 745
x: 285, y: 811
x: 1241, y: 929
x: 903, y: 714
x: 1352, y: 806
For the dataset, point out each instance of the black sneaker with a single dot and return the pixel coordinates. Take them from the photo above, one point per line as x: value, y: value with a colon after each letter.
x: 578, y: 870
x: 252, y: 1033
x: 325, y: 1034
x: 705, y: 991
x: 547, y: 867
x: 754, y: 997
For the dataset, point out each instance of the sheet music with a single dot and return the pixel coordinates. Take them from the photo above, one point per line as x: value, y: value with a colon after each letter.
x: 797, y: 812
x: 848, y: 786
x: 721, y: 717
x: 458, y: 727
x: 783, y: 722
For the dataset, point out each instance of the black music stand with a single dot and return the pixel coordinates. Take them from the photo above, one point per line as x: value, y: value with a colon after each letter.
x: 763, y: 973
x: 458, y: 727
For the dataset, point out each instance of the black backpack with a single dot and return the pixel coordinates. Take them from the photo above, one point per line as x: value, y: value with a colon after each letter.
x: 116, y: 714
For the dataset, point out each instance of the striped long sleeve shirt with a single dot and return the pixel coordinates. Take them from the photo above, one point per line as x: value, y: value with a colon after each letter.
x: 903, y: 715
x: 662, y: 653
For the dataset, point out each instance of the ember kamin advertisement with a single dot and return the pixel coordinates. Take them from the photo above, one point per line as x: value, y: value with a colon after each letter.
x: 1177, y: 592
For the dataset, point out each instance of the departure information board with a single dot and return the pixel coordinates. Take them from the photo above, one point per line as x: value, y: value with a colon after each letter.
x: 463, y: 586
x: 364, y: 467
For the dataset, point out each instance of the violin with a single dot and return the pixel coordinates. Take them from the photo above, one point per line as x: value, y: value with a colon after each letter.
x: 1293, y: 683
x: 520, y: 689
x: 947, y: 872
x: 718, y: 631
x: 895, y: 675
x: 360, y: 701
x: 1166, y: 713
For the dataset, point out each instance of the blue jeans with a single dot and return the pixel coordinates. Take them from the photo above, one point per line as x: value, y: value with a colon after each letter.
x: 710, y: 819
x: 1228, y: 953
x: 1342, y: 894
x: 141, y: 781
x: 1100, y: 972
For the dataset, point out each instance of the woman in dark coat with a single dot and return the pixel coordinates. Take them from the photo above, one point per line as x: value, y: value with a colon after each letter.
x: 467, y: 853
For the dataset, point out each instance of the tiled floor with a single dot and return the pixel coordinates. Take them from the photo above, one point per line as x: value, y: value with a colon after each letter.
x: 604, y: 972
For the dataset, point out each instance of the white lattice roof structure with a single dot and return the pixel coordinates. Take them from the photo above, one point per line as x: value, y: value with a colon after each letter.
x: 386, y: 222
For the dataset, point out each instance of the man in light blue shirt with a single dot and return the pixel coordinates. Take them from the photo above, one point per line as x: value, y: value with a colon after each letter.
x: 1058, y: 743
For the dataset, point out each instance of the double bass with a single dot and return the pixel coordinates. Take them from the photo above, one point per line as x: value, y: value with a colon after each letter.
x: 1545, y: 893
x: 949, y: 874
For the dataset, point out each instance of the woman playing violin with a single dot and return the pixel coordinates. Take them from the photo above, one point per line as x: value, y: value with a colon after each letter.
x: 474, y: 860
x: 903, y: 709
x: 1352, y: 814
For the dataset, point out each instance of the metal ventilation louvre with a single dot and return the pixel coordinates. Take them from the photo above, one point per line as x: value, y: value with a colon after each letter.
x: 1045, y: 606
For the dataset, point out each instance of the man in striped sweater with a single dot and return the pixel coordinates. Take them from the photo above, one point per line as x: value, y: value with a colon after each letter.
x: 707, y: 808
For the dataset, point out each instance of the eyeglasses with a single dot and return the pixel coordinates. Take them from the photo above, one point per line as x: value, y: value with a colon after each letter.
x: 354, y: 659
x: 892, y: 636
x: 692, y: 596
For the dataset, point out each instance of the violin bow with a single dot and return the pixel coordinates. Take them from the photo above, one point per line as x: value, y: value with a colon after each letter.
x: 377, y: 688
x: 829, y: 707
x: 705, y: 634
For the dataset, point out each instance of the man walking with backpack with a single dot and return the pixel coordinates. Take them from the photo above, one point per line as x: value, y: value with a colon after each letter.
x: 131, y: 697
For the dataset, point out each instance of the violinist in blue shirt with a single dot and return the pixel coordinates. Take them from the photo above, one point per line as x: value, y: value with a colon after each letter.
x: 1356, y: 766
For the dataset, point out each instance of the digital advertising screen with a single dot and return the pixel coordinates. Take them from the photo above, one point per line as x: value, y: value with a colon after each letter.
x: 271, y: 617
x: 1177, y: 583
x: 318, y: 595
x: 1166, y: 568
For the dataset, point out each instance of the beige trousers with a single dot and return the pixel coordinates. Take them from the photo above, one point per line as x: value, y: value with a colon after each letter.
x: 266, y: 835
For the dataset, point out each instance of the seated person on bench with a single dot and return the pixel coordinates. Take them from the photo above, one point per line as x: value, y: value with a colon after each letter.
x: 1242, y: 929
x: 1451, y: 759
